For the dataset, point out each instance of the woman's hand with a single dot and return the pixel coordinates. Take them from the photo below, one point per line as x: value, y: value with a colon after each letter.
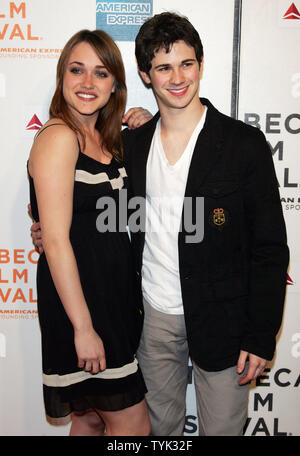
x: 90, y: 350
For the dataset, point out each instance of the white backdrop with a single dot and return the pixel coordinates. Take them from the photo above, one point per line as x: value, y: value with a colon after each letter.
x: 269, y: 98
x: 32, y: 34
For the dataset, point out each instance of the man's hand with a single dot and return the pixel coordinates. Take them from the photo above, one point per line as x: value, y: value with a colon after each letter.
x: 36, y: 235
x: 35, y: 232
x: 135, y: 117
x: 255, y: 368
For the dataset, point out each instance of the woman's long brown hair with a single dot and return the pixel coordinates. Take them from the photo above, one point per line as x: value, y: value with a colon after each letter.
x: 109, y: 120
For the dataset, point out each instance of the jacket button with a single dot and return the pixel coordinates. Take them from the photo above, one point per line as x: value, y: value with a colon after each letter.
x: 137, y: 273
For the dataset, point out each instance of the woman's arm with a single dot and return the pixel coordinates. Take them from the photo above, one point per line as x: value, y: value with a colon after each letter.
x: 52, y: 166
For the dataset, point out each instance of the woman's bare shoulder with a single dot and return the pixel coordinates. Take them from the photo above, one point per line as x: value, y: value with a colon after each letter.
x: 56, y: 143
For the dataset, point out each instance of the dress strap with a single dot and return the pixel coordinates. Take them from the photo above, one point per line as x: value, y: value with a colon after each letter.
x: 42, y: 129
x: 79, y: 145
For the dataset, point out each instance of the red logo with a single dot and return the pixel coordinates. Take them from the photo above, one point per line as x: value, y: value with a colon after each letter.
x: 292, y: 13
x: 289, y: 280
x: 34, y: 124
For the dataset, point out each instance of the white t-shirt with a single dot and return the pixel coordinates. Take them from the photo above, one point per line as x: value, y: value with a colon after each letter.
x: 165, y: 190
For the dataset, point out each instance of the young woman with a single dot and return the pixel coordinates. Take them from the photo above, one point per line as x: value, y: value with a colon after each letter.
x: 89, y: 307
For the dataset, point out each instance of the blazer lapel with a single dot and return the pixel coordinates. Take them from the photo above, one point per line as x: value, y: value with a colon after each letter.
x: 140, y: 156
x: 207, y: 150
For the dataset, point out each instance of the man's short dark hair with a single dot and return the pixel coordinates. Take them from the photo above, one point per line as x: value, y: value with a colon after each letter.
x: 160, y: 32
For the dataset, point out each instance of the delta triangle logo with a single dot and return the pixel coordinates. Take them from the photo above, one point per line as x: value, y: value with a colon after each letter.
x: 292, y: 13
x: 34, y: 124
x: 289, y: 281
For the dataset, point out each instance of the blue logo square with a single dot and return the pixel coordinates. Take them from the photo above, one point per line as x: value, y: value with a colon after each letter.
x: 122, y: 19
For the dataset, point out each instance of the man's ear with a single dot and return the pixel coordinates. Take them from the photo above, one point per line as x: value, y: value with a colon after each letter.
x: 145, y: 77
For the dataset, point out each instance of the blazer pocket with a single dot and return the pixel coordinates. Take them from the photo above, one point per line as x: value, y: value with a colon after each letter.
x: 235, y: 311
x: 223, y: 207
x: 230, y: 288
x: 218, y: 189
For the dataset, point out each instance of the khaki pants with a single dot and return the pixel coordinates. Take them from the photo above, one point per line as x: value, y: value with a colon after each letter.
x: 163, y: 357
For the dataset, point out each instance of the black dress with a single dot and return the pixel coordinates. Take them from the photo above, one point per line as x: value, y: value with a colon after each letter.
x: 108, y: 281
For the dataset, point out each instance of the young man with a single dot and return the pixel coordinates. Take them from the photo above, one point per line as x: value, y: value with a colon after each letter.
x: 218, y: 299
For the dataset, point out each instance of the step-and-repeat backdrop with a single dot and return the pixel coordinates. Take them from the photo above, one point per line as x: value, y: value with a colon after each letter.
x: 32, y: 34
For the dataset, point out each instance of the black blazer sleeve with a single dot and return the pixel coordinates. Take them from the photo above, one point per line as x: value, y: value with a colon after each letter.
x: 269, y: 254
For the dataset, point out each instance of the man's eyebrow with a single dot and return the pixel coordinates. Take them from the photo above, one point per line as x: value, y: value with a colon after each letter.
x: 169, y: 64
x: 162, y: 65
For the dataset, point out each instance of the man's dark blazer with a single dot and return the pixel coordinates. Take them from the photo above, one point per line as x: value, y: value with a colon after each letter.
x: 233, y: 282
